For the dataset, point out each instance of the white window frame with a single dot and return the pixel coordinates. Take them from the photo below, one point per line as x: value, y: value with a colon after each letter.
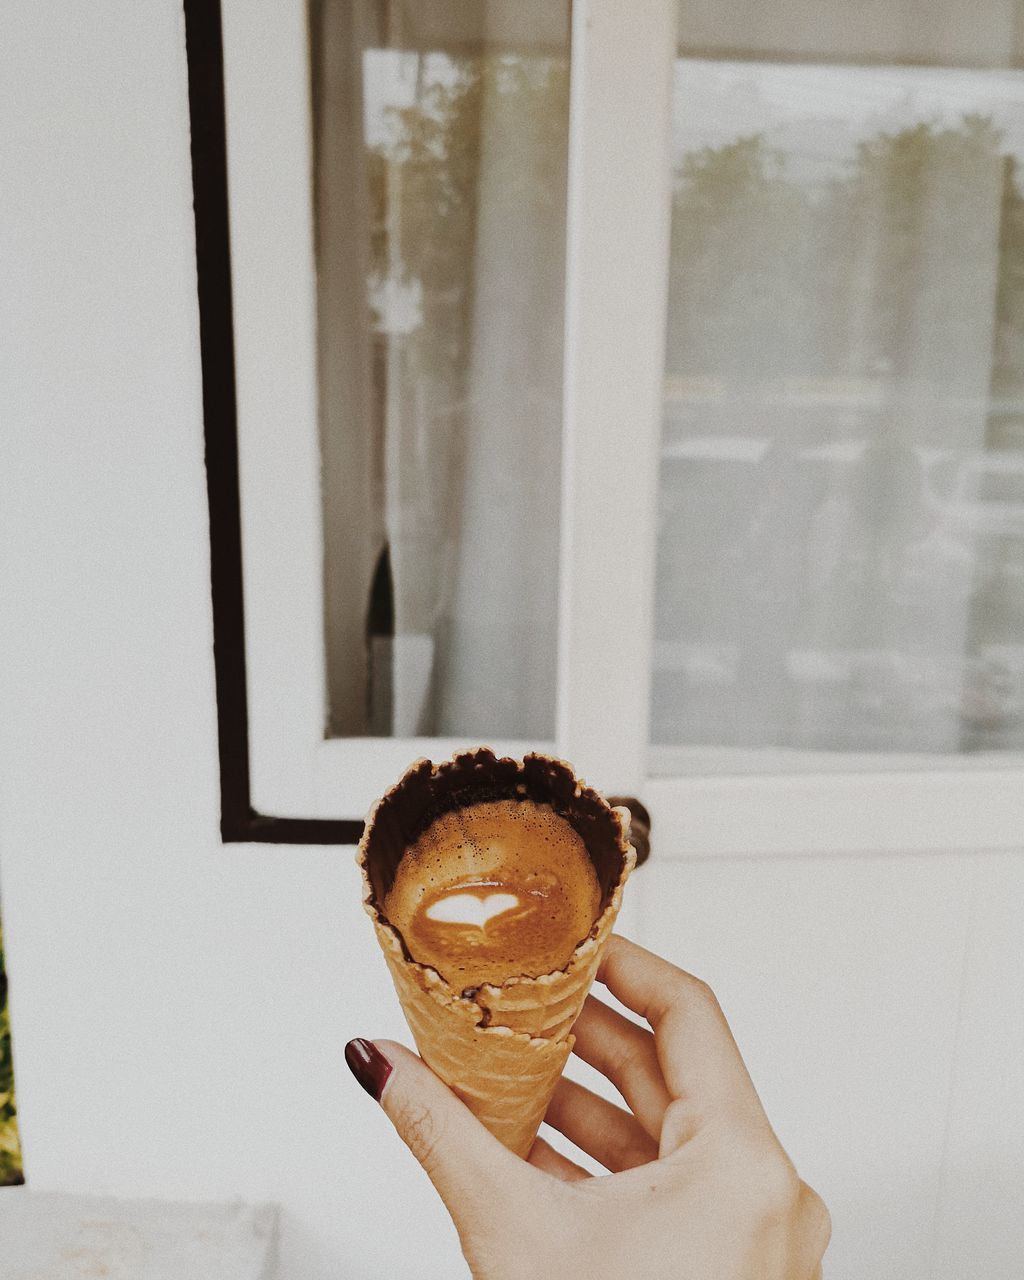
x: 616, y: 283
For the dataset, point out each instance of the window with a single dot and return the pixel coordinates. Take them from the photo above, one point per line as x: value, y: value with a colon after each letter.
x: 721, y: 454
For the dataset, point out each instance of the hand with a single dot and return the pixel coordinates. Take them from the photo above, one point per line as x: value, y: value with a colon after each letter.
x: 700, y: 1188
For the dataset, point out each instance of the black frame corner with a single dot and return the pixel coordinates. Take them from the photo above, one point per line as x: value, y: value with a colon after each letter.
x: 239, y: 821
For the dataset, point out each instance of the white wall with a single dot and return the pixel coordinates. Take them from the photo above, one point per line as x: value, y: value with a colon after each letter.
x: 878, y: 1003
x: 180, y: 1008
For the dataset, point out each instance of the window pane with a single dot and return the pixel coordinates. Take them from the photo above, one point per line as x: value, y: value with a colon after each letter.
x: 440, y: 172
x: 841, y: 522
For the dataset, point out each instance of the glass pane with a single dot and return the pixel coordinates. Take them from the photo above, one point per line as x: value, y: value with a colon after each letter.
x: 440, y: 173
x: 841, y: 523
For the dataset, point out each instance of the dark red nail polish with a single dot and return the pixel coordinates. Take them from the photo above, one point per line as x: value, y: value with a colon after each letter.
x: 368, y: 1065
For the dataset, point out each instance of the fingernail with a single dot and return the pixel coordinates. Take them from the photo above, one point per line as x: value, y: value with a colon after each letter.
x: 368, y: 1065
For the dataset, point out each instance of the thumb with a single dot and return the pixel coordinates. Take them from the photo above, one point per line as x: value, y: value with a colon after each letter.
x: 466, y: 1163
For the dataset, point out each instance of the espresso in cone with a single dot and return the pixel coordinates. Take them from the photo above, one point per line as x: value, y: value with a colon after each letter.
x: 498, y: 889
x: 493, y: 886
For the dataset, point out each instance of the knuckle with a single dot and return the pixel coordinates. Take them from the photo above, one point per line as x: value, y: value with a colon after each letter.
x: 778, y: 1187
x: 420, y: 1129
x: 678, y: 1124
x: 702, y: 994
x: 694, y: 993
x: 626, y: 1058
x: 816, y: 1219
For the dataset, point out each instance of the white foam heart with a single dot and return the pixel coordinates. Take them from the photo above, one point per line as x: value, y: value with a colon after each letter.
x: 470, y: 908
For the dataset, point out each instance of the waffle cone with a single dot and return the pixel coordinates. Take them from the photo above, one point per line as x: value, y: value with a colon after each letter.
x: 501, y: 1048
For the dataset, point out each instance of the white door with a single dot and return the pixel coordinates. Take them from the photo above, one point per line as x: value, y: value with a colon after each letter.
x: 737, y: 645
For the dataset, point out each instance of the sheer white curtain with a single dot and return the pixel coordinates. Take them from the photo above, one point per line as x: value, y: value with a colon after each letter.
x: 451, y: 453
x: 841, y: 550
x: 497, y: 666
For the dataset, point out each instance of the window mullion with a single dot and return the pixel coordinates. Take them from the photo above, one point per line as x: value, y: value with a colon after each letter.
x: 616, y: 282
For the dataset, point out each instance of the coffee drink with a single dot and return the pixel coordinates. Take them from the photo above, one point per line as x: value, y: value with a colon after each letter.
x: 494, y: 890
x: 493, y: 885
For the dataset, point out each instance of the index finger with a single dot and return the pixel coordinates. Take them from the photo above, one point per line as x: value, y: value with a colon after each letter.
x: 696, y: 1050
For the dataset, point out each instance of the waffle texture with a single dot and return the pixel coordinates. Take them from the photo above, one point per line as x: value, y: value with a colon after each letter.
x: 501, y: 1048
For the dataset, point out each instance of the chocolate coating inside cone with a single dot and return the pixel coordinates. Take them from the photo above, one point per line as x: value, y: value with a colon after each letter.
x: 488, y: 830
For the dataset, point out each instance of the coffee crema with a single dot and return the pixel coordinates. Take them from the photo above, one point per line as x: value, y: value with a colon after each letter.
x: 494, y: 890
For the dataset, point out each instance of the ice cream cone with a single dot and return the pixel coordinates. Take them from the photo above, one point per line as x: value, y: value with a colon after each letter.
x: 501, y: 1048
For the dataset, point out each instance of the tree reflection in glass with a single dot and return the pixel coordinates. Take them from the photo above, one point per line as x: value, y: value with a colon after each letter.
x: 841, y: 538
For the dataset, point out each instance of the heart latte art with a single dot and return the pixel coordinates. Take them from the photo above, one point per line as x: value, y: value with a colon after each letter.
x: 495, y: 890
x: 470, y: 908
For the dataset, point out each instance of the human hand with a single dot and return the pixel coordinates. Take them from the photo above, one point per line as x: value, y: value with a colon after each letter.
x: 700, y: 1188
